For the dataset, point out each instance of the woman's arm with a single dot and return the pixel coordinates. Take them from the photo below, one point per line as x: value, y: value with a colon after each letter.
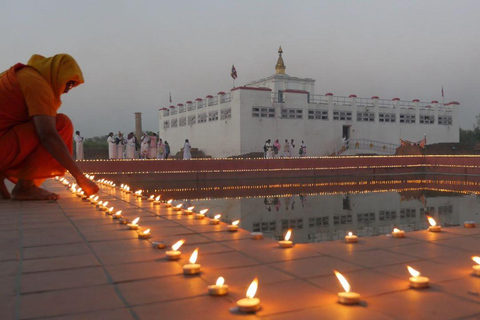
x: 51, y: 140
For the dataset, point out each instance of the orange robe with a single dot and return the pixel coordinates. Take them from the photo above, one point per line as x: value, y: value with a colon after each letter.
x: 27, y: 91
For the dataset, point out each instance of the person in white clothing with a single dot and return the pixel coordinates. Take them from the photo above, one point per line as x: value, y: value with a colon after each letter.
x: 144, y: 147
x: 130, y: 149
x: 303, y: 149
x: 112, y: 146
x: 292, y: 148
x: 186, y: 150
x: 269, y: 149
x: 160, y: 150
x: 79, y: 145
x: 286, y: 149
x: 120, y: 145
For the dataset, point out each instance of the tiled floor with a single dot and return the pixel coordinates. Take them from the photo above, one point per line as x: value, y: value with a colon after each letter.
x: 68, y: 260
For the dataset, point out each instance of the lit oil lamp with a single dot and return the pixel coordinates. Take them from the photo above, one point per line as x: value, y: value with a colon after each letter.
x: 433, y: 225
x: 104, y: 206
x: 168, y: 204
x: 138, y: 193
x: 469, y: 224
x: 156, y: 201
x: 192, y: 267
x: 397, y: 233
x: 79, y: 192
x: 216, y: 219
x: 94, y: 200
x: 91, y: 198
x: 56, y: 178
x: 250, y: 303
x: 117, y: 214
x: 144, y: 234
x: 99, y: 204
x: 256, y: 235
x: 178, y: 207
x: 351, y: 238
x: 201, y: 215
x: 417, y: 281
x: 476, y: 268
x: 234, y: 226
x: 346, y: 297
x: 189, y: 210
x: 286, y: 243
x: 219, y: 288
x: 151, y: 198
x: 174, y: 254
x: 109, y: 211
x: 134, y: 225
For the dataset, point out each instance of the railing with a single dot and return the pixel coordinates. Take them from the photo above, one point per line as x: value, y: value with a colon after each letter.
x: 363, y: 144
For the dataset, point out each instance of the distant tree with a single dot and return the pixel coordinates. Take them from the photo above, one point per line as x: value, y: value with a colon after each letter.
x: 96, y: 142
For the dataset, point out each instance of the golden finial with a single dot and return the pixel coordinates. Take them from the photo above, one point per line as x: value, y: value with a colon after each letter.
x: 280, y: 67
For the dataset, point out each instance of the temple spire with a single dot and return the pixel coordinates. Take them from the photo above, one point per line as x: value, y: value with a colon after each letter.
x: 280, y: 67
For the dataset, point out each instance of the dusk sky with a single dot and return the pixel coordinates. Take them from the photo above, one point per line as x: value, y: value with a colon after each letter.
x: 134, y: 53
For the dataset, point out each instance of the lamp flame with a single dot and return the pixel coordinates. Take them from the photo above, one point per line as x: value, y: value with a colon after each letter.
x: 170, y: 201
x: 100, y: 202
x: 118, y: 213
x: 395, y: 230
x: 194, y: 256
x: 432, y: 221
x: 203, y: 211
x: 476, y: 259
x: 110, y: 210
x: 190, y: 208
x: 136, y: 220
x: 220, y: 281
x: 252, y: 289
x: 91, y: 197
x: 217, y: 216
x: 95, y: 199
x: 151, y: 197
x: 105, y: 204
x: 350, y: 234
x: 413, y: 272
x: 157, y: 198
x: 236, y: 222
x: 177, y: 245
x: 146, y: 232
x: 288, y: 235
x: 343, y: 281
x: 179, y: 206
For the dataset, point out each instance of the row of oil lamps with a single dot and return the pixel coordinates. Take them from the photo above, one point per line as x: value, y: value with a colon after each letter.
x: 250, y: 303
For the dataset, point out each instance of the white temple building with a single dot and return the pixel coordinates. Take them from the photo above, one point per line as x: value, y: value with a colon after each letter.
x: 284, y: 107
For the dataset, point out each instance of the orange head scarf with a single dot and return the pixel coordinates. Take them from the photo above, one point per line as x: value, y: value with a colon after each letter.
x: 57, y: 70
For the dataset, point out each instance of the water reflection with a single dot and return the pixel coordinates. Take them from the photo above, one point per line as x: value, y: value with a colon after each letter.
x: 327, y: 209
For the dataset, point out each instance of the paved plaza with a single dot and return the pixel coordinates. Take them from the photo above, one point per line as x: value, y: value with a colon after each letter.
x: 68, y: 260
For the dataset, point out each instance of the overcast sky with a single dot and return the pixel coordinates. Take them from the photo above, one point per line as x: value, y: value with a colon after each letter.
x: 133, y: 53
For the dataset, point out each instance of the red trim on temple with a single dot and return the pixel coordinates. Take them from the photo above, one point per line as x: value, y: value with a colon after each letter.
x: 375, y: 97
x: 395, y: 99
x: 221, y: 92
x: 455, y: 103
x: 199, y: 99
x: 434, y: 101
x: 251, y: 88
x: 208, y: 97
x: 172, y: 107
x: 180, y: 104
x: 352, y: 96
x: 162, y: 109
x: 188, y: 102
x: 329, y: 94
x: 295, y: 91
x: 415, y: 100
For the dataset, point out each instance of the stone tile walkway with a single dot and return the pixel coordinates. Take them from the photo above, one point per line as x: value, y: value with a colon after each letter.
x: 67, y: 260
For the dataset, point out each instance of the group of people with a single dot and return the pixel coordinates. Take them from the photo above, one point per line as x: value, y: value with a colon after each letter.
x: 128, y: 148
x: 276, y: 150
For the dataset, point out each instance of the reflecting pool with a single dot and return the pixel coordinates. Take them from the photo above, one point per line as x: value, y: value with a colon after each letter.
x: 327, y: 209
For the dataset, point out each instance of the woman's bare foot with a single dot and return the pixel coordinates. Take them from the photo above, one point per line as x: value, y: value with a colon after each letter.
x: 4, y: 193
x: 27, y: 190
